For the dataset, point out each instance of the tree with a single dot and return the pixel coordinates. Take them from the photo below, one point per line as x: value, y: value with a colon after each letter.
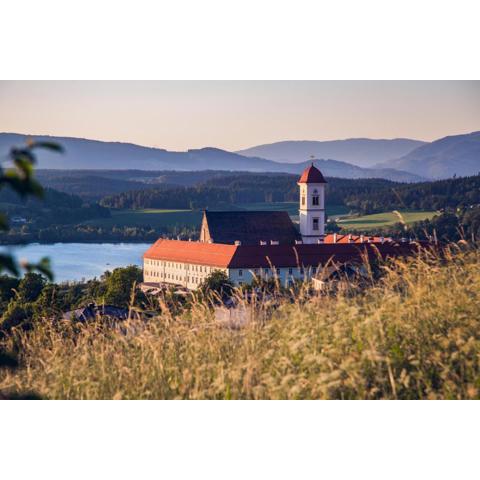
x: 7, y: 286
x: 217, y: 283
x: 119, y: 285
x: 31, y: 286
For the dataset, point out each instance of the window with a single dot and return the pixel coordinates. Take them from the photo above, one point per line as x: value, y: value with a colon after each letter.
x: 290, y: 271
x: 278, y: 271
x: 240, y: 273
x: 303, y: 200
x: 315, y: 224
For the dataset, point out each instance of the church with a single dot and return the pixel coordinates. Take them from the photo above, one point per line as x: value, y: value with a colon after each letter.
x: 247, y: 244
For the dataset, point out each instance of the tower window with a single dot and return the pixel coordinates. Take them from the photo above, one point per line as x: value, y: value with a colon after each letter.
x: 315, y: 198
x: 315, y: 224
x: 303, y: 200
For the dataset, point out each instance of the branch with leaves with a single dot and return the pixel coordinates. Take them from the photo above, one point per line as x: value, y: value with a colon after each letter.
x: 20, y: 178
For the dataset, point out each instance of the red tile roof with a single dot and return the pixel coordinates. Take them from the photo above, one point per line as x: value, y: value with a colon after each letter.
x: 312, y: 175
x: 200, y: 253
x: 265, y: 256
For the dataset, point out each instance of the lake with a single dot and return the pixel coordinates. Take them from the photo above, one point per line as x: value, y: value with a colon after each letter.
x: 77, y: 261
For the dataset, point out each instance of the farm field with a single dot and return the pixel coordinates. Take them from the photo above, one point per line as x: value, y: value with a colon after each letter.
x: 385, y: 219
x: 168, y: 218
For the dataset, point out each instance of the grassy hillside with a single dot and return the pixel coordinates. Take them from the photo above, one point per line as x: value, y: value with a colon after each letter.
x: 380, y: 220
x: 415, y: 334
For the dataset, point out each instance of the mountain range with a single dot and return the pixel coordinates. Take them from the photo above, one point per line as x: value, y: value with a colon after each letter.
x: 93, y: 154
x: 363, y: 152
x: 444, y: 158
x: 453, y: 155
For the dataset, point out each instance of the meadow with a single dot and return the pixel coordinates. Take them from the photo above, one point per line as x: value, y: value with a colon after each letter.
x: 161, y: 218
x: 385, y: 219
x: 413, y: 334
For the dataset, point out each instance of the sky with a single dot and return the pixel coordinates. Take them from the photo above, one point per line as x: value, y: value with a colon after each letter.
x: 178, y: 115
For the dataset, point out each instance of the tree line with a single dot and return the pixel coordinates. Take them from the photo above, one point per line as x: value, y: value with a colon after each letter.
x: 235, y: 189
x: 443, y: 194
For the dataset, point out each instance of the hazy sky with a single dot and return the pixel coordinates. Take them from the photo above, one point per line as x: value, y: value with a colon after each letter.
x: 234, y: 115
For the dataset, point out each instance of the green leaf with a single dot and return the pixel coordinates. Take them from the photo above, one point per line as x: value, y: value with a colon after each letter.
x: 24, y: 165
x: 23, y: 186
x: 54, y: 147
x: 7, y: 262
x: 43, y: 267
x: 24, y: 153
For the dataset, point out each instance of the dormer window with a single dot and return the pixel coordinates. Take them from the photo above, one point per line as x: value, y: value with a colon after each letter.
x: 315, y: 198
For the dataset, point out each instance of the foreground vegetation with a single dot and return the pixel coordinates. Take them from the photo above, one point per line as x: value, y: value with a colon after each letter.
x: 412, y: 333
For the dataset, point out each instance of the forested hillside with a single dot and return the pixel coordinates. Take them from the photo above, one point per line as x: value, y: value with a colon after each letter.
x: 55, y: 207
x: 442, y: 194
x: 246, y: 188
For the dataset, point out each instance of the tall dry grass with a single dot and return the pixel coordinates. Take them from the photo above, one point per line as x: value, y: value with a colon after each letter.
x: 413, y: 334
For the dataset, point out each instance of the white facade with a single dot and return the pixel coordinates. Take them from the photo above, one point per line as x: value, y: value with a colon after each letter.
x: 285, y: 275
x: 190, y: 275
x: 187, y: 275
x: 312, y: 212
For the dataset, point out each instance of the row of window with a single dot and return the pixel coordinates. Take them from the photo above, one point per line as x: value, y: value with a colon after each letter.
x: 172, y: 277
x: 278, y: 271
x: 178, y: 266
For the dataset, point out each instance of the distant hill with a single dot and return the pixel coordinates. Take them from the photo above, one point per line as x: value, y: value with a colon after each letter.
x: 454, y: 155
x: 97, y: 155
x: 463, y: 192
x: 363, y: 152
x: 335, y: 168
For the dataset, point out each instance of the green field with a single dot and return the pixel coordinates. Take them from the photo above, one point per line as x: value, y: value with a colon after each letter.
x: 386, y: 219
x: 159, y: 218
x: 290, y: 207
x: 154, y: 217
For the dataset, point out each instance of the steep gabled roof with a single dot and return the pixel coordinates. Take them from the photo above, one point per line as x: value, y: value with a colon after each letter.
x: 250, y: 227
x: 312, y: 175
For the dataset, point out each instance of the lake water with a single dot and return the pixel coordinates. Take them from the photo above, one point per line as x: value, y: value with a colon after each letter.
x: 77, y: 261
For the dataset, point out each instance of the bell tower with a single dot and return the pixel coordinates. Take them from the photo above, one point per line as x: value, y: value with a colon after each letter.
x: 312, y: 205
